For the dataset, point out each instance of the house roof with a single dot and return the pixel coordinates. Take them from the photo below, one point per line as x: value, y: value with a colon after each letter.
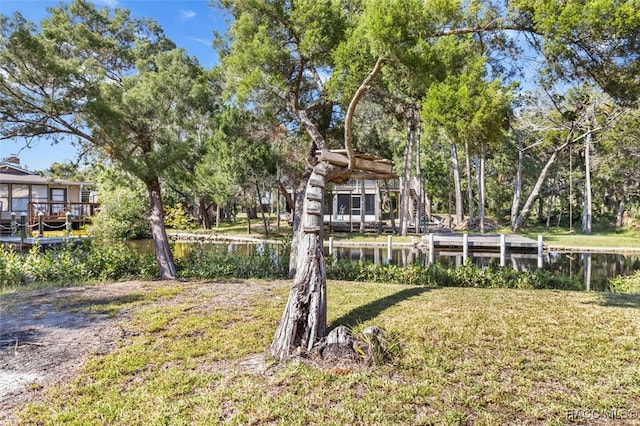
x: 15, y: 169
x: 11, y: 173
x: 36, y: 180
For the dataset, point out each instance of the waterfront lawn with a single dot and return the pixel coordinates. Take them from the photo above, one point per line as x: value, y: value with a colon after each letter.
x: 601, y: 237
x: 465, y: 356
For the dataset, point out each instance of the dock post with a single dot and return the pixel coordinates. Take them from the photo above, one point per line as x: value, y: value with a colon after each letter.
x: 540, y: 252
x: 14, y: 224
x: 68, y: 224
x: 330, y: 246
x: 23, y: 226
x: 432, y: 246
x: 503, y: 250
x: 389, y: 244
x: 465, y: 247
x: 40, y: 224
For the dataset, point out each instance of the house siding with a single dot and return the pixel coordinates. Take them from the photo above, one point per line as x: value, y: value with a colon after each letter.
x: 21, y: 191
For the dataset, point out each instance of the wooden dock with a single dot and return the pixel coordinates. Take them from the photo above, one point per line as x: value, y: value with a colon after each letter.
x: 24, y: 245
x: 481, y: 242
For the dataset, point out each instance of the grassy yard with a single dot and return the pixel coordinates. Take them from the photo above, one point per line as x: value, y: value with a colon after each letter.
x: 467, y: 356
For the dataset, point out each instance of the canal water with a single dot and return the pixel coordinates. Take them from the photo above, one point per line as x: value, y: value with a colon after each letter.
x: 593, y: 269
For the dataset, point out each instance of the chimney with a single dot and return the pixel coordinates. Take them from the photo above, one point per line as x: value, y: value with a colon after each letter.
x: 13, y: 160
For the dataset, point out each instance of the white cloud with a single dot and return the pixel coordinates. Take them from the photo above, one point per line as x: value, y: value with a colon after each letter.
x: 109, y: 3
x: 187, y: 14
x: 201, y: 41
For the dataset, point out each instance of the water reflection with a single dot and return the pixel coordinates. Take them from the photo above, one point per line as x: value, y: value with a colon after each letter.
x: 593, y: 269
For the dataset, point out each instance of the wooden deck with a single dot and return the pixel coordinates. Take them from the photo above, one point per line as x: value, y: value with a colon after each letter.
x: 25, y: 245
x: 481, y: 242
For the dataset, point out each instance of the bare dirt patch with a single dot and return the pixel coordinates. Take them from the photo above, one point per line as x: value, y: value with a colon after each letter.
x: 47, y: 334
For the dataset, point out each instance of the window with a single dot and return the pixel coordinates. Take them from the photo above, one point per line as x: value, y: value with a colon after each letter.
x: 4, y: 197
x: 343, y: 204
x: 59, y: 197
x: 355, y: 205
x: 370, y: 204
x: 39, y: 197
x: 19, y: 198
x: 84, y: 209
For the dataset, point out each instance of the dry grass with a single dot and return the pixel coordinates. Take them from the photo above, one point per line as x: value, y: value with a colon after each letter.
x: 468, y: 356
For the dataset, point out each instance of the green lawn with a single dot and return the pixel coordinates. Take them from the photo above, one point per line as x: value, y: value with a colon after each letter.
x: 600, y: 238
x: 468, y: 356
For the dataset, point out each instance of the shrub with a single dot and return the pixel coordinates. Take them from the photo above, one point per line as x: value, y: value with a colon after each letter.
x: 11, y: 268
x: 122, y: 216
x: 206, y: 262
x: 71, y: 264
x: 177, y: 218
x: 466, y: 275
x: 625, y: 284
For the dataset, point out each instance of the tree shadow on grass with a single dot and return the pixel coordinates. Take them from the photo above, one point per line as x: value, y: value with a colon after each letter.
x: 373, y: 309
x: 621, y: 300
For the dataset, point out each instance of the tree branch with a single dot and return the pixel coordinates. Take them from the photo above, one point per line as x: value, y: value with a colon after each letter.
x: 348, y: 124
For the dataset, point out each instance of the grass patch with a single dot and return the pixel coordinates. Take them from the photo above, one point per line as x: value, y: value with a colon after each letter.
x: 602, y: 236
x: 468, y: 356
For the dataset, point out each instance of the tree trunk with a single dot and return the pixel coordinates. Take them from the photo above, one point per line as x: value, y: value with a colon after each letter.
x: 296, y: 219
x: 304, y: 320
x: 472, y: 218
x: 517, y: 186
x: 536, y: 189
x: 362, y: 204
x: 166, y: 266
x: 204, y: 214
x: 264, y: 219
x: 249, y: 220
x: 481, y: 189
x: 277, y: 211
x: 457, y: 184
x: 405, y: 190
x: 620, y: 209
x: 419, y: 186
x: 549, y: 208
x: 391, y: 215
x: 287, y: 197
x: 587, y: 211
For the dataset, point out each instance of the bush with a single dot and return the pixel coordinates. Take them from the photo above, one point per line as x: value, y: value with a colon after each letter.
x: 123, y: 216
x: 70, y: 264
x: 206, y: 262
x: 435, y: 275
x: 625, y: 284
x: 11, y: 268
x: 177, y: 218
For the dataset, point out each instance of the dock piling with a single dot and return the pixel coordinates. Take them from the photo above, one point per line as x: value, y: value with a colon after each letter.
x: 40, y: 224
x: 465, y: 246
x: 432, y: 249
x: 68, y: 224
x: 23, y: 226
x: 540, y: 252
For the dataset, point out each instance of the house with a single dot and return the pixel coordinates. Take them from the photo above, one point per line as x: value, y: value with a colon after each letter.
x: 25, y: 192
x: 344, y: 204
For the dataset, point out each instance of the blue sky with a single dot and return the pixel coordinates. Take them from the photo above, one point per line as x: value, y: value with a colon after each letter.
x: 189, y: 23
